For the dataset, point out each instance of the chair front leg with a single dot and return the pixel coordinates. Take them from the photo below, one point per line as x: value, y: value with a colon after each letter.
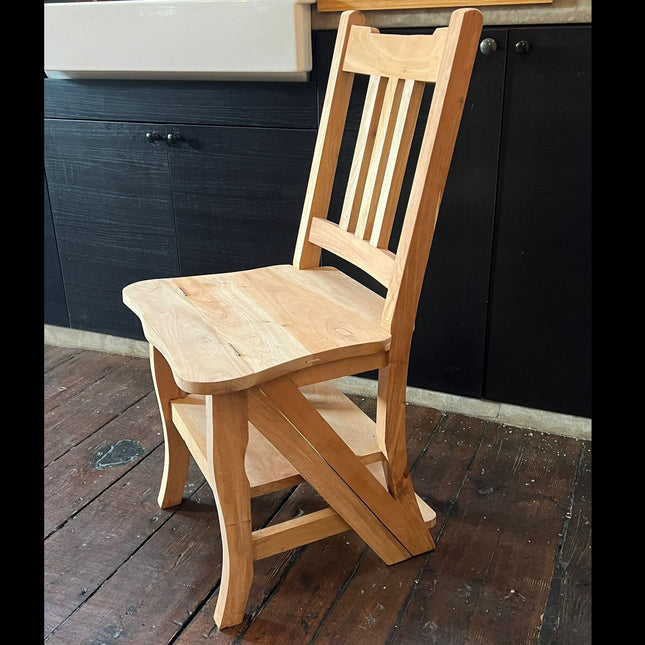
x: 226, y: 441
x: 177, y: 455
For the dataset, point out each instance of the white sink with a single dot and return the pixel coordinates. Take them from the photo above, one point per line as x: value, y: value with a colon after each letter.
x: 179, y: 39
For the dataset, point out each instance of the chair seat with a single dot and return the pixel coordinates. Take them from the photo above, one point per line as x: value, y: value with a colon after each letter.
x: 228, y: 332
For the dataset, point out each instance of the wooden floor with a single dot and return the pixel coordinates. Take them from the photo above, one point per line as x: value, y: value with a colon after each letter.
x: 512, y: 563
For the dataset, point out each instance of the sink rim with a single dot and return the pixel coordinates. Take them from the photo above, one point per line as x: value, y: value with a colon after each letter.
x: 179, y: 39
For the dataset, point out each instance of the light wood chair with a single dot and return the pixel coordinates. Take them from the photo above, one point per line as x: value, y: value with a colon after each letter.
x: 242, y: 361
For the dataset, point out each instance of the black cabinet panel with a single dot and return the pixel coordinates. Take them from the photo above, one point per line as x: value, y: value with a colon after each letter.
x: 55, y: 307
x: 110, y: 200
x: 238, y: 195
x: 540, y: 313
x: 289, y: 105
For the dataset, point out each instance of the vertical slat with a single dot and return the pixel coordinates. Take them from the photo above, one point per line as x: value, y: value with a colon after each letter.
x: 396, y: 162
x: 362, y: 152
x: 378, y: 160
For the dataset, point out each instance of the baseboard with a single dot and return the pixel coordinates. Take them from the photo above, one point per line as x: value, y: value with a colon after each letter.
x: 513, y: 415
x: 79, y: 339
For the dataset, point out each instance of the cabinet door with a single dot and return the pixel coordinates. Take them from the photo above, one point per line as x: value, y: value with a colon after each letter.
x: 539, y: 345
x: 111, y: 208
x: 238, y: 195
x: 448, y: 346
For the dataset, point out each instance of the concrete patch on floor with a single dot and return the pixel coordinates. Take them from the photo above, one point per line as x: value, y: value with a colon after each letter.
x: 122, y: 452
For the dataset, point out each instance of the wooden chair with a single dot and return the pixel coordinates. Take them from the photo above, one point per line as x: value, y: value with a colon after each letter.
x: 242, y: 361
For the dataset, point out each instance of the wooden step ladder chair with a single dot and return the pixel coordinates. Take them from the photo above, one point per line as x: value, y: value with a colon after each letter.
x: 242, y: 361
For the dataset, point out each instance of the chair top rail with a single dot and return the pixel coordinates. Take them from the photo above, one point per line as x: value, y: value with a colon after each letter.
x: 415, y: 57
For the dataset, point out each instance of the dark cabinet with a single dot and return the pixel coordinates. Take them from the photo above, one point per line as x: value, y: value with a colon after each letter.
x: 449, y: 343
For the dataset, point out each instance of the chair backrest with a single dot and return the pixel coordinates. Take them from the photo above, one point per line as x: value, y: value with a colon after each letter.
x: 398, y: 67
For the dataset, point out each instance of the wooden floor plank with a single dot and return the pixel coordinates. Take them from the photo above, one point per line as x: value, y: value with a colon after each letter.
x: 80, y: 556
x: 498, y: 548
x: 149, y: 597
x: 151, y: 594
x: 567, y: 619
x: 82, y: 473
x: 374, y: 597
x: 56, y: 355
x: 94, y: 406
x: 78, y: 371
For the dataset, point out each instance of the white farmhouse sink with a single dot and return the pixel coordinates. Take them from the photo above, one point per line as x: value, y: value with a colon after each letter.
x: 179, y: 39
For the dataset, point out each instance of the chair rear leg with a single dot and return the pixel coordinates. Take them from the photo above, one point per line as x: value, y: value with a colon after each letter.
x: 391, y: 434
x: 177, y: 456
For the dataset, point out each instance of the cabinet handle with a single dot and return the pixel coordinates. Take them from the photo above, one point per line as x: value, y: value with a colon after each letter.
x: 522, y: 47
x: 153, y: 136
x: 173, y: 138
x: 488, y: 46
